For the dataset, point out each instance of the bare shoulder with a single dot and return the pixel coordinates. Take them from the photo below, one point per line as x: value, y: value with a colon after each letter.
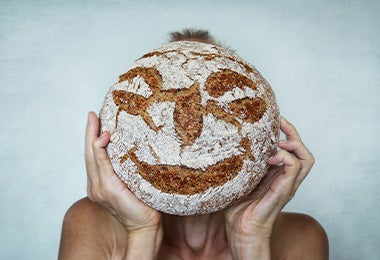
x: 298, y: 236
x: 89, y: 231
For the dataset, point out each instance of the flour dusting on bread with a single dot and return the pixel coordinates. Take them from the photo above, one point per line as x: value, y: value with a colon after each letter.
x: 192, y: 126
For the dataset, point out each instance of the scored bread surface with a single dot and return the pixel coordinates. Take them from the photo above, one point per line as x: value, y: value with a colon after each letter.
x: 192, y: 126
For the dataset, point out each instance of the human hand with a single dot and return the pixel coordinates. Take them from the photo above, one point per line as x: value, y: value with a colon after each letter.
x: 249, y: 223
x: 142, y: 223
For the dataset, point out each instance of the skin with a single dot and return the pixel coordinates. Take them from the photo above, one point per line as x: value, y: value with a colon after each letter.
x: 113, y: 224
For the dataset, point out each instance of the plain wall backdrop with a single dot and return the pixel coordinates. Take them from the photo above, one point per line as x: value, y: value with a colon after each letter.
x: 58, y: 59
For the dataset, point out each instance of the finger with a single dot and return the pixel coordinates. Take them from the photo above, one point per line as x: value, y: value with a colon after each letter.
x: 301, y: 152
x: 110, y: 183
x: 298, y: 148
x: 102, y: 160
x: 282, y: 188
x: 292, y: 167
x: 289, y: 130
x: 283, y: 157
x: 92, y: 129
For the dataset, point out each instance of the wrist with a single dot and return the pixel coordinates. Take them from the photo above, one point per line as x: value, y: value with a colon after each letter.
x: 251, y: 248
x: 143, y: 243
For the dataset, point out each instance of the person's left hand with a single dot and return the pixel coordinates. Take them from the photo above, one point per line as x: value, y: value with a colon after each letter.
x: 249, y: 223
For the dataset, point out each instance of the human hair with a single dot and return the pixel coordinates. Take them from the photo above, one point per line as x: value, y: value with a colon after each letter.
x: 192, y: 34
x: 199, y: 35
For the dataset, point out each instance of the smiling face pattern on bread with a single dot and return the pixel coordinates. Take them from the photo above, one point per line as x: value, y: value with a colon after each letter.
x: 192, y: 126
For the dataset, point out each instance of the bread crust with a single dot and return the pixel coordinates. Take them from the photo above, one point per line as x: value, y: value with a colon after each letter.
x: 192, y: 126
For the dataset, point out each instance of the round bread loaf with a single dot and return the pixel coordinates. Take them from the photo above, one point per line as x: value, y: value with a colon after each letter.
x: 192, y: 126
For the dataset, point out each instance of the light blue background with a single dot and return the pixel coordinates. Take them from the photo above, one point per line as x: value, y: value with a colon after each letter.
x: 57, y: 60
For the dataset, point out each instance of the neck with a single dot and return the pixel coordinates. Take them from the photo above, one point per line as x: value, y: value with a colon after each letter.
x: 196, y: 235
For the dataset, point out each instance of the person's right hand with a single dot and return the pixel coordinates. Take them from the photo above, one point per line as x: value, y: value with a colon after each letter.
x: 142, y: 223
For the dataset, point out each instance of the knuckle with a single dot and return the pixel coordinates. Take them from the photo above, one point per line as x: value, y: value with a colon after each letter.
x: 312, y: 159
x: 94, y: 144
x: 282, y: 154
x: 298, y: 143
